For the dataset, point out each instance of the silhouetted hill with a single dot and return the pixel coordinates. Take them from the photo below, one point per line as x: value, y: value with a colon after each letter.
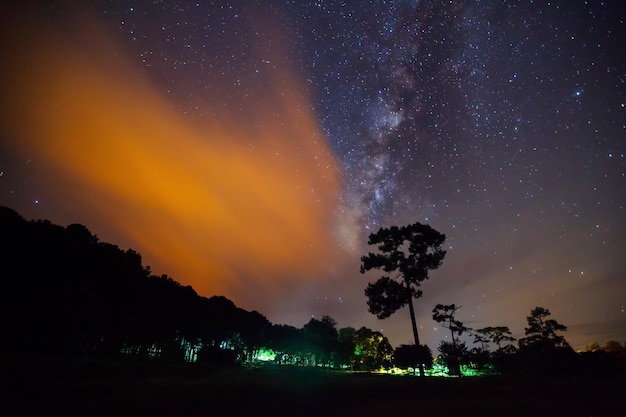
x: 66, y: 293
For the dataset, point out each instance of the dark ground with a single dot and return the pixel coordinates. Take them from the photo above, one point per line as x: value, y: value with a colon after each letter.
x: 124, y: 390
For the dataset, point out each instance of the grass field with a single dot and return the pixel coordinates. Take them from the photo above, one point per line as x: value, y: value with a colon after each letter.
x: 147, y: 391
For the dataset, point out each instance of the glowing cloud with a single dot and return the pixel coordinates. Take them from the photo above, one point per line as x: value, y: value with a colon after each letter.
x: 227, y: 209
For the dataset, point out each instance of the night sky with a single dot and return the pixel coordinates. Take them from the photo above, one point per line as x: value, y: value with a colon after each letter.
x: 248, y: 148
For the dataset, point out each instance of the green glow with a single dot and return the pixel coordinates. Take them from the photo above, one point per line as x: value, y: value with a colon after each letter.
x: 439, y: 368
x: 470, y: 370
x: 266, y: 355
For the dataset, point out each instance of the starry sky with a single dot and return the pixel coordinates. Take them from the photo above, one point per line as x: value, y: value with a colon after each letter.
x: 248, y: 148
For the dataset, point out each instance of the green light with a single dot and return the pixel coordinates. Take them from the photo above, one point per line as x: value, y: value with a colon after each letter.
x: 266, y: 355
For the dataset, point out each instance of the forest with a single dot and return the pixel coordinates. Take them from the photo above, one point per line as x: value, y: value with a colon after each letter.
x: 69, y: 296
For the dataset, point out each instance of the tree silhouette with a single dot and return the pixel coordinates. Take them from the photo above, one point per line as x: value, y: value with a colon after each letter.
x: 444, y: 314
x: 541, y: 333
x: 454, y: 354
x: 372, y: 350
x: 321, y: 338
x: 613, y: 346
x: 286, y: 342
x: 412, y: 356
x: 482, y: 339
x: 543, y: 350
x: 495, y: 335
x: 453, y: 351
x: 345, y: 347
x: 253, y: 329
x: 409, y: 252
x: 66, y: 294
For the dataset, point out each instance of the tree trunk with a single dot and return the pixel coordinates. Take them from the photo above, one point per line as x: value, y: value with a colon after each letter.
x: 415, y: 335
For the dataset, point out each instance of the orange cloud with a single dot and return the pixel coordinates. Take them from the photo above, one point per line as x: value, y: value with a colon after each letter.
x: 227, y: 209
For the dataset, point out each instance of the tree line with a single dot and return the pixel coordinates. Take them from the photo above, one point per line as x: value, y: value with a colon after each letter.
x: 66, y: 294
x: 405, y: 255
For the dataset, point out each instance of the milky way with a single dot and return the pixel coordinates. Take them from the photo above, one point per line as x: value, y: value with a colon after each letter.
x: 500, y: 124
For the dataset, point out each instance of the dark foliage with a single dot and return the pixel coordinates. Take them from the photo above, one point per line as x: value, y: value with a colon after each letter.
x: 543, y: 350
x: 372, y: 350
x: 321, y: 338
x: 386, y: 296
x: 411, y: 356
x: 491, y: 334
x: 67, y: 294
x: 409, y: 252
x: 454, y: 353
x: 541, y: 333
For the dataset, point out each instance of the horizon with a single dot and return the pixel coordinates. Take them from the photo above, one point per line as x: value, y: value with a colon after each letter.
x: 606, y: 330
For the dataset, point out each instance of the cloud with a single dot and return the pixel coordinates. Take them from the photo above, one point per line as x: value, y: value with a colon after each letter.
x: 229, y: 206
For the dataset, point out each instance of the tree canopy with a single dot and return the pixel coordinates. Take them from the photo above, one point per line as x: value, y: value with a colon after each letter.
x: 454, y: 351
x: 409, y: 253
x: 541, y: 332
x: 494, y: 334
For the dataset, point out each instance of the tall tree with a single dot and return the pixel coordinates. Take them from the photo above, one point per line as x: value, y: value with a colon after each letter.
x: 408, y: 252
x: 445, y: 314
